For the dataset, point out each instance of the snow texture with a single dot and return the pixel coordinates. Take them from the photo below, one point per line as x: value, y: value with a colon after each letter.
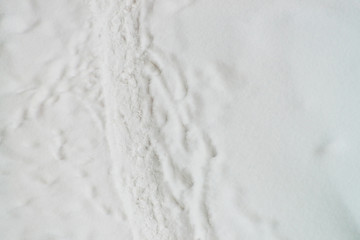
x: 179, y: 119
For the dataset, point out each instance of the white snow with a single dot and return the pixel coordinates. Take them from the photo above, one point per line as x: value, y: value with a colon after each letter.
x: 179, y: 119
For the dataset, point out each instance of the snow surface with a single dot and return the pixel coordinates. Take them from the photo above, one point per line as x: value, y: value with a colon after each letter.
x: 179, y: 119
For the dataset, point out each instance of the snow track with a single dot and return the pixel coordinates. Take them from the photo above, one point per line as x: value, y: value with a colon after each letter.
x: 141, y: 109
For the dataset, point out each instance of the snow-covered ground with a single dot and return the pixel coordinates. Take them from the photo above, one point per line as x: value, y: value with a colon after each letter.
x: 179, y: 119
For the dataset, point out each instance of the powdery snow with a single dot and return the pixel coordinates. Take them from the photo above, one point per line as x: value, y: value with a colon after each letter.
x: 179, y: 119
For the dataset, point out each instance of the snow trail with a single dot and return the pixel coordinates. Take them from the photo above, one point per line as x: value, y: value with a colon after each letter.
x: 154, y: 187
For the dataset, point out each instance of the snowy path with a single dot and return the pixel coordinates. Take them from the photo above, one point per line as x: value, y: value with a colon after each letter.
x: 163, y: 158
